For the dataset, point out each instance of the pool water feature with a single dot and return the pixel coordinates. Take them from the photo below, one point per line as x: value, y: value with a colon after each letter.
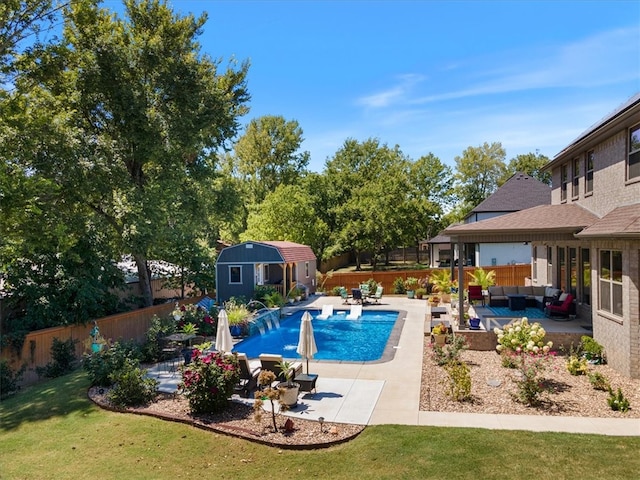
x: 368, y: 339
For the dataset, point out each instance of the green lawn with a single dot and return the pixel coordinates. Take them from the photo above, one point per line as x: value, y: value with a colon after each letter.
x: 52, y: 430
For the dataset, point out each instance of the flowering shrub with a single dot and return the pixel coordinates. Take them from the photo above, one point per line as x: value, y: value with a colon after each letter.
x: 202, y: 320
x: 522, y: 337
x: 208, y: 380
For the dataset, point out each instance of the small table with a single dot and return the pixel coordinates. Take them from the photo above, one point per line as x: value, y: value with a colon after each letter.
x: 307, y: 381
x: 517, y: 302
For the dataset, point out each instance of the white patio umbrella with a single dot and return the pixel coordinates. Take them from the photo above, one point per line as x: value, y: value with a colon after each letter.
x: 224, y: 342
x: 307, y: 342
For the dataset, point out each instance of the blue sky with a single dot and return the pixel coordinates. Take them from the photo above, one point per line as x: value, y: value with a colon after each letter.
x: 430, y: 76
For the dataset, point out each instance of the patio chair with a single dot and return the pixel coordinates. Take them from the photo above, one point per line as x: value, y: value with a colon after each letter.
x: 364, y: 289
x: 475, y: 293
x: 170, y: 353
x: 378, y: 295
x: 248, y: 376
x: 561, y: 308
x: 327, y: 311
x: 269, y: 361
x: 345, y: 296
x: 356, y: 295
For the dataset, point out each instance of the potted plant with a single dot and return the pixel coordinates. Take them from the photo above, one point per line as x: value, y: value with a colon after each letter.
x: 474, y: 323
x: 188, y: 329
x: 483, y: 278
x: 434, y: 300
x: 421, y: 292
x: 288, y: 389
x: 442, y: 283
x: 410, y: 284
x: 439, y: 333
x: 238, y: 316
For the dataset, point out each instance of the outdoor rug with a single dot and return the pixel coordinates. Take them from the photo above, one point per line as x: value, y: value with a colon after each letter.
x: 529, y: 312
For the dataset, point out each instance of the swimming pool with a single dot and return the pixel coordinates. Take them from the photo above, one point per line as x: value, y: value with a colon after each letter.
x: 370, y: 338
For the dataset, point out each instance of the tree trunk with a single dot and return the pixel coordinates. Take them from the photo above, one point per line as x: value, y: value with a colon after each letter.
x: 144, y: 279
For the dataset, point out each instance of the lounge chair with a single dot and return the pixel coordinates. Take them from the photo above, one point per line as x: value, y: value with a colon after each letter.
x: 327, y: 311
x: 378, y: 295
x: 269, y: 361
x: 355, y: 313
x: 248, y: 376
x: 364, y: 288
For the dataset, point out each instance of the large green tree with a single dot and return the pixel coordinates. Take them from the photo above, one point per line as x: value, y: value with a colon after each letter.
x: 478, y: 173
x: 531, y: 164
x: 268, y: 154
x: 135, y: 115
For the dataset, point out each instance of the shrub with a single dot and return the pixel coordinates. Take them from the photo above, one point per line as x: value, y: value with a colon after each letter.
x: 201, y: 319
x: 459, y: 385
x: 158, y: 328
x: 522, y: 337
x: 262, y: 292
x: 592, y: 350
x: 577, y: 365
x: 208, y: 381
x: 450, y: 352
x: 335, y: 291
x: 63, y: 357
x: 530, y: 385
x: 131, y: 386
x: 599, y: 381
x: 101, y: 365
x: 9, y: 379
x: 398, y: 286
x: 617, y: 401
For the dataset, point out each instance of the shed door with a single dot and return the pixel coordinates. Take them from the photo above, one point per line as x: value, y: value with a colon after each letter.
x: 258, y: 269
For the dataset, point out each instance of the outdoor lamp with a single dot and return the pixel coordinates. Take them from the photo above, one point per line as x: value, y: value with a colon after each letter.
x: 321, y: 421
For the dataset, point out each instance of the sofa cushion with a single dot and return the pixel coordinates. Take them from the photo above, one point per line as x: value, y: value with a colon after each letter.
x: 525, y: 290
x: 563, y: 297
x: 538, y: 290
x: 496, y: 291
x: 510, y: 290
x: 551, y: 292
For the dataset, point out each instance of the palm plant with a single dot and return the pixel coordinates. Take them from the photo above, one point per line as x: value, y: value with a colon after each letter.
x: 483, y: 278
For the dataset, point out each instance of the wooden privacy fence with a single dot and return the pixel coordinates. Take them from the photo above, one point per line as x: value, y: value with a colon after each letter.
x: 36, y: 350
x: 505, y: 275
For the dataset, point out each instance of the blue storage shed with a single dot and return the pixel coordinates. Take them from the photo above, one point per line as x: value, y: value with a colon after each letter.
x: 283, y: 265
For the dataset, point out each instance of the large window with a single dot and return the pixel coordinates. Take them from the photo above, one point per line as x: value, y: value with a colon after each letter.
x: 564, y: 179
x: 610, y: 281
x: 562, y: 270
x: 575, y: 184
x: 235, y: 274
x: 634, y: 152
x: 549, y: 264
x: 573, y: 270
x: 588, y: 173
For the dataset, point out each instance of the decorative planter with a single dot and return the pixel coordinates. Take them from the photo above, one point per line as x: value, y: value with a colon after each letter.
x: 289, y: 393
x: 411, y: 293
x: 236, y: 330
x: 186, y: 353
x: 474, y: 323
x: 440, y: 339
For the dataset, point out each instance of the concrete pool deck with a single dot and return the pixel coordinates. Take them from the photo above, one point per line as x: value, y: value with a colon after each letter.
x: 389, y: 392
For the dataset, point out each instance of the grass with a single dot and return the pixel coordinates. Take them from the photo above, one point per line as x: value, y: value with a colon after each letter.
x: 51, y: 430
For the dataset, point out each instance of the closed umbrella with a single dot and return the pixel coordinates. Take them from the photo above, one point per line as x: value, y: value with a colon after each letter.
x: 307, y: 342
x: 224, y: 342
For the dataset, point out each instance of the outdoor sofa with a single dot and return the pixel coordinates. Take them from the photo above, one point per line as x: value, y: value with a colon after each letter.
x: 536, y: 296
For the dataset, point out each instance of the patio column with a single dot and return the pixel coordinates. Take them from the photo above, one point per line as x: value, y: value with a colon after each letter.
x: 461, y: 321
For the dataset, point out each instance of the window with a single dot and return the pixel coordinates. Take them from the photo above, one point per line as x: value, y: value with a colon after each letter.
x: 549, y: 264
x: 535, y: 264
x: 266, y: 273
x: 586, y: 276
x: 573, y: 270
x: 235, y: 274
x: 588, y: 173
x: 633, y: 167
x: 564, y: 179
x: 610, y: 281
x: 575, y: 186
x: 306, y: 269
x: 562, y: 270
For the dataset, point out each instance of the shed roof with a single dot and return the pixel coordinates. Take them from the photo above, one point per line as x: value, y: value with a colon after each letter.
x: 290, y: 251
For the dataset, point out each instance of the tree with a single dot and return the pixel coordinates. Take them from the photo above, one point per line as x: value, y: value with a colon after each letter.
x: 135, y: 113
x: 268, y: 155
x: 478, y: 172
x: 531, y: 164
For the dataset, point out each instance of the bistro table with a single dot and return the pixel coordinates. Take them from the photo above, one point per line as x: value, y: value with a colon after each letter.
x: 184, y: 338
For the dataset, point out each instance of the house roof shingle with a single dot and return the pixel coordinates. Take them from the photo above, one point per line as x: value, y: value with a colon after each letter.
x: 521, y: 191
x: 557, y: 218
x: 620, y: 222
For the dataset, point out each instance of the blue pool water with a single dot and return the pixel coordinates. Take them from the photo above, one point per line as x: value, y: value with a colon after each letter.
x: 337, y: 338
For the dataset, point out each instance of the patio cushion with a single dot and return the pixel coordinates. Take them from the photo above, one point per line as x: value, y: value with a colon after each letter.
x: 525, y: 290
x: 496, y: 291
x: 510, y: 290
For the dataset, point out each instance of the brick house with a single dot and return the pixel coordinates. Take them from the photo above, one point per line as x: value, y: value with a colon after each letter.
x: 588, y: 240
